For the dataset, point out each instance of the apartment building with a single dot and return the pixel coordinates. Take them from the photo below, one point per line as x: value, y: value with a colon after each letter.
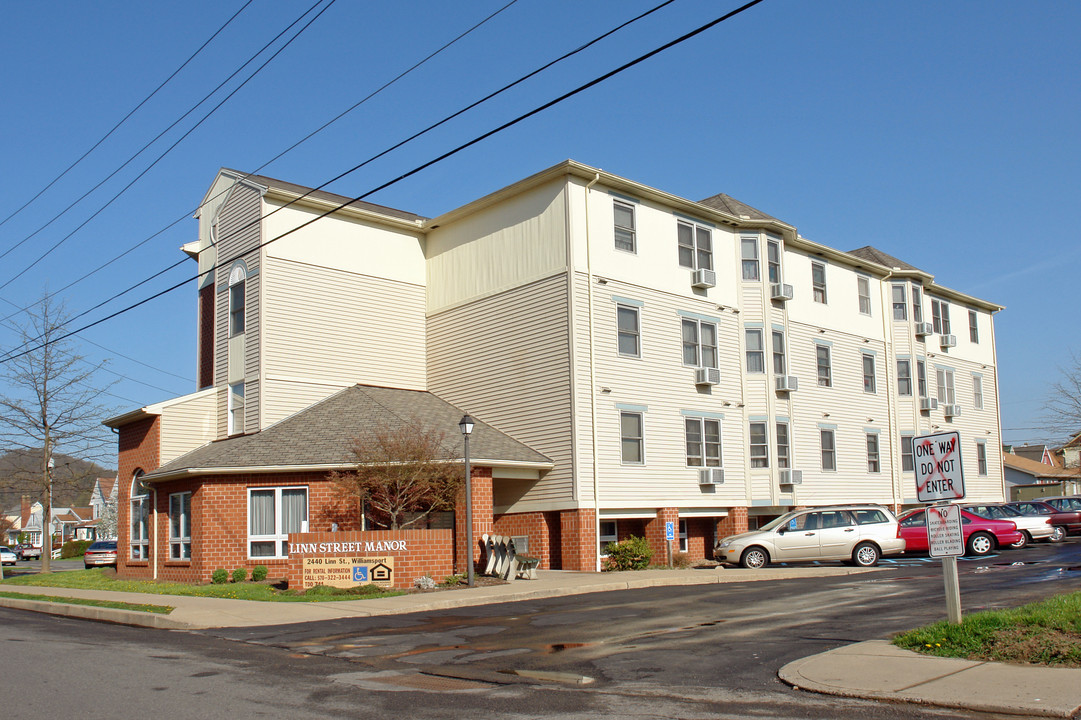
x: 636, y: 358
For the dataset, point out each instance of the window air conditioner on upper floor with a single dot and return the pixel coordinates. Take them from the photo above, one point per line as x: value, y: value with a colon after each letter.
x: 711, y: 476
x: 780, y: 291
x: 791, y: 477
x: 703, y: 279
x: 707, y: 376
x: 928, y: 403
x: 924, y: 328
x: 951, y: 410
x: 786, y: 383
x: 949, y: 341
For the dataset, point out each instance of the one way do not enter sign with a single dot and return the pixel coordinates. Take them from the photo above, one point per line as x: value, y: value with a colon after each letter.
x: 938, y: 467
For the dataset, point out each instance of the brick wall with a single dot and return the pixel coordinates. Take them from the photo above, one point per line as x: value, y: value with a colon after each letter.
x: 655, y: 533
x: 481, y: 482
x: 539, y: 528
x: 734, y: 523
x: 578, y: 533
x: 206, y: 336
x: 139, y: 448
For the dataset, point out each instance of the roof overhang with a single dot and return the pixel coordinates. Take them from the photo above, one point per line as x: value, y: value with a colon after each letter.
x: 180, y: 473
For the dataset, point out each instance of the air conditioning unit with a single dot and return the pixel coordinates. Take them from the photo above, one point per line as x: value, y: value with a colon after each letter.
x: 707, y: 376
x: 924, y: 328
x: 780, y: 291
x: 951, y: 410
x: 703, y: 279
x: 791, y: 477
x: 787, y: 383
x: 949, y: 341
x: 711, y: 476
x: 928, y: 403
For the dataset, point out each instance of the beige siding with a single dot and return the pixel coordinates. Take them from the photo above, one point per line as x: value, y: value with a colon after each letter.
x: 505, y: 359
x: 505, y: 246
x: 327, y: 326
x: 187, y: 423
x: 284, y: 397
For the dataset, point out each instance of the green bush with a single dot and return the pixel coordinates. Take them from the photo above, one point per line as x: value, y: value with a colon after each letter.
x: 219, y: 576
x: 633, y: 553
x: 74, y: 548
x: 453, y: 581
x: 329, y: 591
x: 240, y: 574
x: 258, y: 573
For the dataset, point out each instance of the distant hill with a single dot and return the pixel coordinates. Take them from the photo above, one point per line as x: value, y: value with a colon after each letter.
x: 73, y: 479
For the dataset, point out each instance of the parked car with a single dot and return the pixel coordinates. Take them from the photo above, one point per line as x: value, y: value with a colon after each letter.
x: 1065, y: 504
x: 1032, y: 527
x: 1065, y: 522
x: 7, y: 556
x: 982, y: 535
x: 28, y: 552
x: 859, y: 534
x: 101, y: 552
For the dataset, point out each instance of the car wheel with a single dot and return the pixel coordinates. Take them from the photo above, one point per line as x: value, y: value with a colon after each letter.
x: 865, y: 555
x: 1058, y: 534
x: 754, y: 558
x: 1025, y: 540
x: 980, y: 544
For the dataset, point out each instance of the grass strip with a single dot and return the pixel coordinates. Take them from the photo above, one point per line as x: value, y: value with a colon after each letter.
x: 96, y: 579
x: 1041, y: 633
x: 160, y: 609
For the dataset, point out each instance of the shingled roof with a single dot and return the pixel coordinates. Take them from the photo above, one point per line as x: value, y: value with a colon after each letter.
x: 320, y: 436
x: 728, y: 204
x: 873, y: 254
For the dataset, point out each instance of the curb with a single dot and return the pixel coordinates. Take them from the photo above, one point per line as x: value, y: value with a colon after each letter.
x: 99, y: 614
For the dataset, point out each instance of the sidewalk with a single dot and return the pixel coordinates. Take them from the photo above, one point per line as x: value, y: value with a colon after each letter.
x: 873, y: 670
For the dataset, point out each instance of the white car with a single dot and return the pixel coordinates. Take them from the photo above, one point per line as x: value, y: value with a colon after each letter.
x: 1032, y: 527
x: 8, y: 556
x: 859, y: 534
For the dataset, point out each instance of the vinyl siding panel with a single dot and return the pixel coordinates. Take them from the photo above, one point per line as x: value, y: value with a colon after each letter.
x: 328, y: 326
x: 188, y: 424
x: 283, y: 397
x: 505, y: 359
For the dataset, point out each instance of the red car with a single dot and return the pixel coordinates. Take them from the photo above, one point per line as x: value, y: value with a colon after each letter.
x: 982, y: 535
x: 1066, y: 522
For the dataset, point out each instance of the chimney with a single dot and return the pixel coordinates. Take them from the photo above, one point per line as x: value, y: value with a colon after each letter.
x: 25, y: 511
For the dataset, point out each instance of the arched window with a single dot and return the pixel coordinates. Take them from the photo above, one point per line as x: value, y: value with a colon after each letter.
x: 237, y: 277
x: 140, y: 517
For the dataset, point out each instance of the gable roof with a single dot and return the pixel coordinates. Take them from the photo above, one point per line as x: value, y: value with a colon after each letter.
x: 319, y: 437
x: 1037, y: 469
x: 1036, y: 453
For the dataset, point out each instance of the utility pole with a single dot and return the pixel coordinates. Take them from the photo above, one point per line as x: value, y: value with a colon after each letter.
x: 47, y: 511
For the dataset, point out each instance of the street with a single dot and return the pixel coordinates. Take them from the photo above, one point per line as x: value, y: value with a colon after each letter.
x: 674, y: 652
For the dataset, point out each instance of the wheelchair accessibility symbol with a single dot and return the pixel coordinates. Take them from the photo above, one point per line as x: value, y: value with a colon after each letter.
x: 360, y: 573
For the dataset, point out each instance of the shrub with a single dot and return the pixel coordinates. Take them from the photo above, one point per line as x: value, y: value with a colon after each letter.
x: 424, y: 583
x: 240, y: 574
x: 453, y: 581
x: 219, y: 576
x: 258, y: 573
x: 633, y: 553
x: 681, y: 560
x: 74, y: 548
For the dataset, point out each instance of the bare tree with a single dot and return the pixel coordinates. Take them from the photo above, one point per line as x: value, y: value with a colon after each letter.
x: 1062, y: 406
x: 403, y: 474
x: 52, y: 405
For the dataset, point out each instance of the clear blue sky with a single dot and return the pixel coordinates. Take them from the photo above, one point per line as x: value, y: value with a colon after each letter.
x: 943, y: 133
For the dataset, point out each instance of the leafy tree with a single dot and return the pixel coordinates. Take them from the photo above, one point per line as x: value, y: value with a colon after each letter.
x: 52, y: 405
x: 403, y: 474
x: 107, y: 520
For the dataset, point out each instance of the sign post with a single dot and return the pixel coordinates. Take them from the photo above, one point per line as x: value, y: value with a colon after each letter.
x: 940, y: 479
x: 669, y: 536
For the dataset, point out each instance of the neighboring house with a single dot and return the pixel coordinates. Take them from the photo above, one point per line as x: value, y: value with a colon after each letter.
x: 1037, y: 453
x: 1027, y: 479
x: 64, y: 525
x: 1070, y: 453
x: 103, y: 495
x: 636, y: 358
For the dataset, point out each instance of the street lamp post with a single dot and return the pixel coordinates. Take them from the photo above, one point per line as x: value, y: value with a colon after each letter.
x: 466, y: 426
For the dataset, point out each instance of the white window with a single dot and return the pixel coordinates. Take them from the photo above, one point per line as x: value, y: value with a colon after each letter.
x: 627, y: 324
x: 977, y: 392
x: 749, y: 256
x: 863, y: 290
x: 273, y: 513
x: 624, y: 226
x: 759, y: 445
x: 237, y: 277
x: 917, y: 304
x: 829, y: 449
x: 699, y: 343
x: 904, y: 377
x: 900, y: 305
x: 940, y: 316
x: 868, y: 373
x: 773, y: 259
x: 818, y: 281
x: 973, y: 327
x: 756, y: 353
x: 236, y: 408
x: 180, y: 526
x: 873, y: 462
x: 683, y: 536
x: 945, y: 386
x: 824, y: 365
x: 981, y: 457
x: 607, y: 534
x: 140, y: 518
x: 921, y: 378
x: 703, y: 442
x: 631, y: 437
x: 908, y: 459
x: 695, y: 246
x: 779, y: 362
x: 784, y: 446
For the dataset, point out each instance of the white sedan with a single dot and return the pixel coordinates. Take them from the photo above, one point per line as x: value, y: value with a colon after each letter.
x: 7, y: 556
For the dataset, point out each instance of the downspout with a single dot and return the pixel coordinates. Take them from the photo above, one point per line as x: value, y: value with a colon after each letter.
x: 891, y: 369
x: 998, y: 409
x: 592, y: 375
x: 155, y: 549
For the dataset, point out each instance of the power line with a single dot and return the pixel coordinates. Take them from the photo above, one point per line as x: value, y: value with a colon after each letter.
x: 511, y: 123
x: 416, y: 135
x: 124, y: 119
x: 167, y: 150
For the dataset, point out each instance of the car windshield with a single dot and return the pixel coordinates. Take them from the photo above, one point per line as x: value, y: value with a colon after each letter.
x: 1010, y: 511
x: 777, y: 522
x: 103, y: 545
